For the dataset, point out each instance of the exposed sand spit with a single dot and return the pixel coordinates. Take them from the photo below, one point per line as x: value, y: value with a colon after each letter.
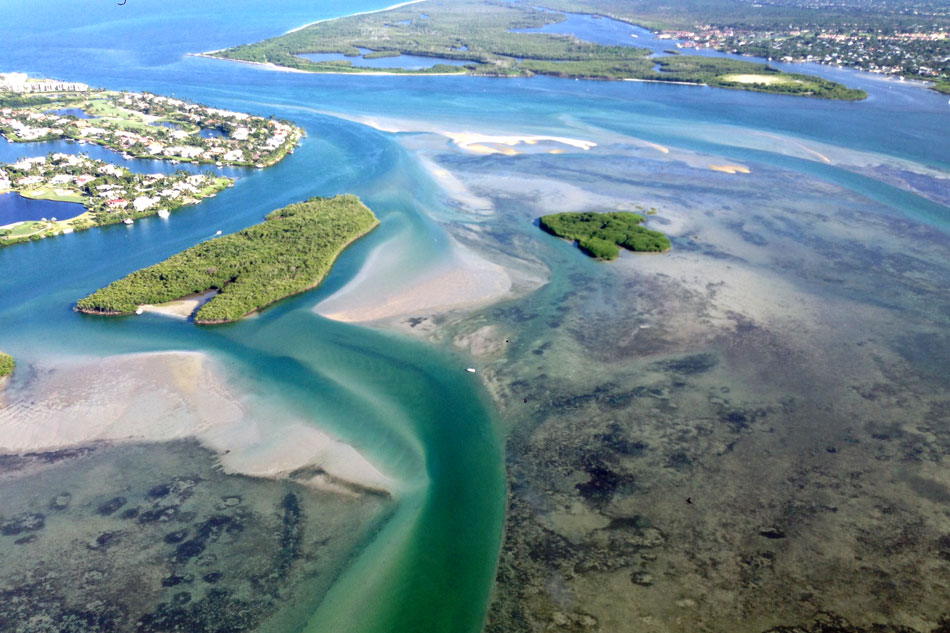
x: 181, y: 308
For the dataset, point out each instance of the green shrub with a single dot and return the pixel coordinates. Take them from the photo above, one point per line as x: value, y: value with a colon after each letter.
x: 6, y: 364
x: 599, y: 234
x: 288, y: 253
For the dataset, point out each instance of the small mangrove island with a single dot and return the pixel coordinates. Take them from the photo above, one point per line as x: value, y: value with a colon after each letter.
x: 6, y: 365
x: 494, y: 39
x: 290, y: 252
x: 601, y: 234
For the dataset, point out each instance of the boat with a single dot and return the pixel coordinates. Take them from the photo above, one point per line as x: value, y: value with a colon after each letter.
x: 128, y: 221
x: 470, y: 370
x: 218, y: 233
x: 163, y: 213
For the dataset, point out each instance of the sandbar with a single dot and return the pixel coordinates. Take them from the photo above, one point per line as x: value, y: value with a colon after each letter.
x: 730, y: 169
x: 350, y: 15
x: 462, y: 280
x: 481, y: 143
x: 164, y: 396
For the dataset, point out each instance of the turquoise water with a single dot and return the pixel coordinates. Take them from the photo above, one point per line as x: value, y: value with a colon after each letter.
x: 407, y: 406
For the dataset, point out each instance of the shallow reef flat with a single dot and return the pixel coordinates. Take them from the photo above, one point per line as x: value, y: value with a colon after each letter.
x: 156, y: 537
x: 745, y: 434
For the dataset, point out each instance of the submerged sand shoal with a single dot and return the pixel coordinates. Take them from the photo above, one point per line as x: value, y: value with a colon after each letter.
x: 158, y: 397
x: 462, y: 280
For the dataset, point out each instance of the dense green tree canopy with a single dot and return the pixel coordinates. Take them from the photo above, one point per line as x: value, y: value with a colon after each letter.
x: 600, y: 234
x: 288, y: 253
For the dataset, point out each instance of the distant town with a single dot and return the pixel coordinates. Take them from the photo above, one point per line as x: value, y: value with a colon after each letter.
x: 916, y: 55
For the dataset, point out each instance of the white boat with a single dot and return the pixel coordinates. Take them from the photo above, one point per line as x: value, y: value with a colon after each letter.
x: 470, y: 370
x: 218, y: 233
x: 163, y: 213
x: 128, y: 221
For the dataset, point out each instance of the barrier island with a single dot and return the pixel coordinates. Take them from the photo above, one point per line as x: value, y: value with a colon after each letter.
x: 290, y: 252
x: 6, y: 365
x: 601, y: 234
x: 487, y: 38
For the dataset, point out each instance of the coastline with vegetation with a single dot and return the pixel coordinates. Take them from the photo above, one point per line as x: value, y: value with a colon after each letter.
x: 601, y: 235
x: 289, y: 253
x: 488, y: 40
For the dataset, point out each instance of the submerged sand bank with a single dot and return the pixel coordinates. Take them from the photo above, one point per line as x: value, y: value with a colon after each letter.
x: 159, y: 397
x: 463, y: 280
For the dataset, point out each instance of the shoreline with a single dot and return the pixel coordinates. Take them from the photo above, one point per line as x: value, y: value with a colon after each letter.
x: 389, y: 8
x: 288, y: 69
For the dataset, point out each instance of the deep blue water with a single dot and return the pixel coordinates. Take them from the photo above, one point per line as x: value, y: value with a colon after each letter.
x: 16, y: 208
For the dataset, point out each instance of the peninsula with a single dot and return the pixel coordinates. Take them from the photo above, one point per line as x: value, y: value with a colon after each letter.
x: 601, y: 234
x: 485, y: 38
x: 290, y: 252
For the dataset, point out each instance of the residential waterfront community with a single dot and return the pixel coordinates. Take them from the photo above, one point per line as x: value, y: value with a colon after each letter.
x: 109, y: 193
x: 905, y: 38
x: 135, y: 125
x: 147, y: 126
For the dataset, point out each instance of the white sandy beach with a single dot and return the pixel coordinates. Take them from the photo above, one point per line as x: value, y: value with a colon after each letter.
x: 158, y: 397
x: 389, y: 8
x: 180, y: 309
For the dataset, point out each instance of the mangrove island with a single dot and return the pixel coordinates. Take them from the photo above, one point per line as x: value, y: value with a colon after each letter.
x: 601, y: 234
x: 290, y: 252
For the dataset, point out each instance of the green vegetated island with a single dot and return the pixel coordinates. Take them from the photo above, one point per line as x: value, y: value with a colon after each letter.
x: 137, y: 125
x: 289, y: 253
x: 6, y: 365
x: 601, y: 235
x: 483, y: 33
